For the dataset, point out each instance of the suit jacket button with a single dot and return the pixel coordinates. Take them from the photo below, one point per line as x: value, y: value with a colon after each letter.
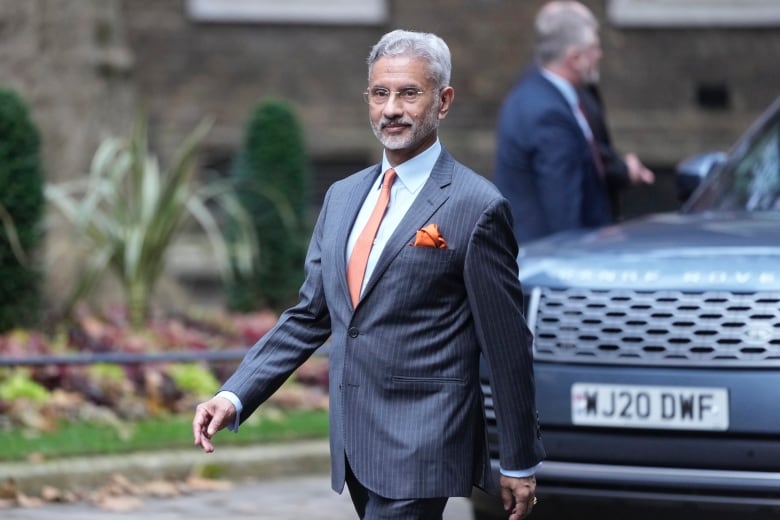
x: 353, y: 332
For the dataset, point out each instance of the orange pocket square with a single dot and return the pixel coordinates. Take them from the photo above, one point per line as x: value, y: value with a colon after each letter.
x: 429, y: 236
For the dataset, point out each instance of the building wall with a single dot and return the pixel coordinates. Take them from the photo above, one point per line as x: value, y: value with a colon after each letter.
x: 663, y: 86
x: 672, y: 90
x: 68, y: 61
x: 83, y: 65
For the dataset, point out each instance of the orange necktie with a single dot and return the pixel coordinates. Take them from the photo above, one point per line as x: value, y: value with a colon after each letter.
x: 356, y: 269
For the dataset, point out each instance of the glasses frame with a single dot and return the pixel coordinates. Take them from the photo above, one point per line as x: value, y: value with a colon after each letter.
x: 398, y: 94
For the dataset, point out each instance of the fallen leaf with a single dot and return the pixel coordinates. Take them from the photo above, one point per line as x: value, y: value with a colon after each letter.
x: 25, y: 501
x: 120, y: 504
x: 196, y: 483
x: 160, y: 489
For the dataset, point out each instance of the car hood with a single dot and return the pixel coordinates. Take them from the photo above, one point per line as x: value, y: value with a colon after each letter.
x: 723, y: 251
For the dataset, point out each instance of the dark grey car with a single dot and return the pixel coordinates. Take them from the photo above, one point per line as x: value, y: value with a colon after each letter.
x: 657, y: 344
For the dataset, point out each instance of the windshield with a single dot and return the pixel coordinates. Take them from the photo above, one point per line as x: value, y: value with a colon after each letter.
x: 748, y: 182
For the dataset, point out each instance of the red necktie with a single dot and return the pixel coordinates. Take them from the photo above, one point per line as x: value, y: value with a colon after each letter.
x: 594, y: 149
x: 356, y: 269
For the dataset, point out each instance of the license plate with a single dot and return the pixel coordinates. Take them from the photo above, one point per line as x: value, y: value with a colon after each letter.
x: 642, y: 406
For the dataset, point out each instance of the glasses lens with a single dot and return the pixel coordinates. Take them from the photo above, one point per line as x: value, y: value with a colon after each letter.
x: 380, y: 95
x: 409, y: 95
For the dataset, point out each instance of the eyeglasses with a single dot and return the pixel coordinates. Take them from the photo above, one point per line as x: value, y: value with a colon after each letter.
x: 381, y: 95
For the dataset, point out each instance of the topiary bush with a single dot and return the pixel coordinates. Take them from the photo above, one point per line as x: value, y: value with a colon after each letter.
x: 272, y: 178
x: 21, y: 213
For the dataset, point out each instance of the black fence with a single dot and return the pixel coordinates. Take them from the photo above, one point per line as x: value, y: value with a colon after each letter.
x: 126, y: 358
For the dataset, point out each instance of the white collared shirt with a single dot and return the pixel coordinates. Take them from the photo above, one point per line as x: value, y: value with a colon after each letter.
x: 570, y: 94
x: 411, y: 175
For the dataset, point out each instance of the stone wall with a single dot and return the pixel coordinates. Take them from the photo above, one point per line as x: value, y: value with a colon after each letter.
x: 68, y: 60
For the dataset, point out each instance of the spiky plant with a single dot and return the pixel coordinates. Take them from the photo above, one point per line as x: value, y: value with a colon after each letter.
x: 129, y: 211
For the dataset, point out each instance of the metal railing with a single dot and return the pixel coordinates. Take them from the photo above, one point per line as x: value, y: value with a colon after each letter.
x: 126, y: 358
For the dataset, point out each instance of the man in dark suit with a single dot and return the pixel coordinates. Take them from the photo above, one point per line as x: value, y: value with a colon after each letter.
x: 546, y: 161
x: 407, y: 325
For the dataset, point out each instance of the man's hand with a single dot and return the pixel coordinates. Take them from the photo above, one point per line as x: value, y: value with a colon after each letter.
x: 638, y: 172
x: 519, y: 495
x: 210, y: 417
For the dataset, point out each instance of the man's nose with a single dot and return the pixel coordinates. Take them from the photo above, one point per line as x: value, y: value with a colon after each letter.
x: 394, y: 104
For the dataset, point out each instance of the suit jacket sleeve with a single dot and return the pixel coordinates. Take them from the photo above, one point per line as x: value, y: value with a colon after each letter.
x: 496, y: 301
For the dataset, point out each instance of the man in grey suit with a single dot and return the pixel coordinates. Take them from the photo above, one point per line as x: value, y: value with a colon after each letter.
x: 437, y: 286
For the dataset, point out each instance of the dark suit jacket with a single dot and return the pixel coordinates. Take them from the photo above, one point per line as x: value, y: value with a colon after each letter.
x: 544, y: 164
x: 406, y: 406
x: 615, y: 168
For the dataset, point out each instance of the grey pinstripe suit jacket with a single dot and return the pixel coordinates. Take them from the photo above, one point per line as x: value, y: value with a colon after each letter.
x: 405, y: 401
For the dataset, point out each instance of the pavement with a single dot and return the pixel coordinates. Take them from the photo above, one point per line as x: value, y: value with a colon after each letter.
x: 226, y: 462
x: 264, y: 482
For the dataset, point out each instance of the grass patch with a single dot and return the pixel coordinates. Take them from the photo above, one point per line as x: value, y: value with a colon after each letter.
x: 164, y: 433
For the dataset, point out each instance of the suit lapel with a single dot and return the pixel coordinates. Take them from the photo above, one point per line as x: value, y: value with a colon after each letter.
x: 432, y: 195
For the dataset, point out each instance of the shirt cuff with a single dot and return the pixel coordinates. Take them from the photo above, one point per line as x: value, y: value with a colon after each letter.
x: 520, y: 473
x: 233, y: 398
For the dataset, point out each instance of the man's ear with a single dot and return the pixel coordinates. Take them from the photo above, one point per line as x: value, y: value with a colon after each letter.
x: 446, y: 96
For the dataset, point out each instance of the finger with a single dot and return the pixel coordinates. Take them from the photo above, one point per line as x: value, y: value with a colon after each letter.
x: 216, y: 423
x: 200, y: 433
x: 507, y: 498
x: 517, y: 513
x: 205, y: 443
x: 524, y: 504
x: 198, y: 422
x: 522, y: 511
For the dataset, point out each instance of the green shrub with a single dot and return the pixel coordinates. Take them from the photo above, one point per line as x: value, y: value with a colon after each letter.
x: 21, y: 212
x: 19, y: 385
x: 194, y: 379
x: 271, y: 173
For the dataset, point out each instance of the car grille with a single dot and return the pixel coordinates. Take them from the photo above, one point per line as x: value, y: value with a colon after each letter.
x: 490, y: 418
x: 656, y: 327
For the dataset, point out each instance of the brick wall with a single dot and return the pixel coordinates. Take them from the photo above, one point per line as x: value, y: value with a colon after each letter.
x: 83, y: 64
x: 654, y: 80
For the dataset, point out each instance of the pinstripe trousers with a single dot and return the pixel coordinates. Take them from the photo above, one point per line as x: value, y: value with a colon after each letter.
x: 370, y: 506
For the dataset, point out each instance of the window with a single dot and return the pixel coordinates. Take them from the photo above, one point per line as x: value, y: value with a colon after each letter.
x: 343, y: 12
x: 691, y: 13
x: 752, y: 182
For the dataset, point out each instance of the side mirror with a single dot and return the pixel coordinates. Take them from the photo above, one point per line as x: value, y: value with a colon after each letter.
x: 692, y: 171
